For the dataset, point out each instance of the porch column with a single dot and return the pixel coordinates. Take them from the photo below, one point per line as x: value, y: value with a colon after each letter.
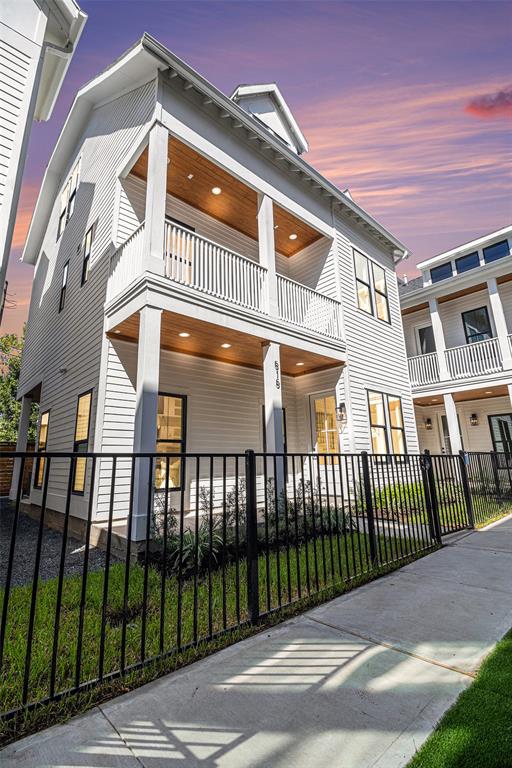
x: 21, y: 443
x: 509, y: 387
x: 437, y: 328
x: 453, y: 423
x: 156, y: 191
x: 273, y: 409
x: 267, y: 252
x: 146, y: 407
x: 500, y: 322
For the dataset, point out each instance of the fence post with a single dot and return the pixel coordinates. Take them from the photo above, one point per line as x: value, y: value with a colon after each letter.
x: 466, y: 489
x: 368, y: 502
x: 253, y: 597
x: 431, y: 496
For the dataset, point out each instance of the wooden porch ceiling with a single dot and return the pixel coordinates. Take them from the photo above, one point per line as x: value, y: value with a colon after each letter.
x: 236, y: 206
x: 463, y: 397
x: 205, y: 340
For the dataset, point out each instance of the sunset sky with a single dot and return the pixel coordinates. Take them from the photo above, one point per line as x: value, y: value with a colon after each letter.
x: 409, y: 104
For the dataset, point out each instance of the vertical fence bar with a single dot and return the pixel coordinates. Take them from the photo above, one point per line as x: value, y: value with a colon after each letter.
x: 434, y: 505
x: 253, y: 598
x: 83, y: 592
x: 368, y: 503
x: 466, y: 489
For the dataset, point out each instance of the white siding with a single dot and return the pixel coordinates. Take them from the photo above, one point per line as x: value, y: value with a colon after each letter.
x: 450, y: 313
x: 412, y: 322
x: 314, y: 267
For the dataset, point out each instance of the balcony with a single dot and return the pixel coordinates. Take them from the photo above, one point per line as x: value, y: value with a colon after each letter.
x: 207, y: 267
x: 482, y: 358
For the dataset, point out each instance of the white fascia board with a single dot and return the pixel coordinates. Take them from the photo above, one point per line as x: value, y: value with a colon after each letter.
x: 471, y: 246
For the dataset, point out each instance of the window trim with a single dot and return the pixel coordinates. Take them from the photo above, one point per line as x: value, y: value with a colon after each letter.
x: 387, y: 422
x: 385, y: 295
x: 40, y: 459
x: 476, y: 309
x: 64, y: 285
x: 372, y: 290
x: 182, y: 442
x: 86, y: 256
x: 67, y: 211
x: 81, y: 442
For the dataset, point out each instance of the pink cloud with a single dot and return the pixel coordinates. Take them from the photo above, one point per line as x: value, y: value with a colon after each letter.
x: 490, y: 105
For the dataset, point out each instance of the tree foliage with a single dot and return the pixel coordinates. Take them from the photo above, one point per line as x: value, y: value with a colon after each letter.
x: 11, y: 347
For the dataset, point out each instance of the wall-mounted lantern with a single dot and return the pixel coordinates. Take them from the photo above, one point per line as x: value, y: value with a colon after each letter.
x: 428, y: 424
x: 341, y: 415
x: 473, y: 420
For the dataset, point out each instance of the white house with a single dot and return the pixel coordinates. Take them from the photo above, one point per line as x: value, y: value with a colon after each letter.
x: 458, y: 332
x: 37, y: 43
x: 199, y: 287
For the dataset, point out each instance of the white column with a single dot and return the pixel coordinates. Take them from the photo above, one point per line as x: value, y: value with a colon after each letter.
x: 146, y: 407
x: 156, y: 191
x: 453, y: 423
x: 500, y: 322
x: 273, y: 411
x: 510, y: 392
x: 267, y: 252
x: 21, y: 443
x: 437, y: 328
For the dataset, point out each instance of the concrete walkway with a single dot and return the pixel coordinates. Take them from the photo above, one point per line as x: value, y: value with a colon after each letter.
x: 358, y: 682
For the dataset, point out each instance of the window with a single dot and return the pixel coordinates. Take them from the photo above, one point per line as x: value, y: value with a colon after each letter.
x: 496, y: 251
x: 62, y: 298
x: 426, y: 340
x: 87, y: 246
x: 67, y: 199
x: 501, y: 432
x: 470, y: 261
x: 441, y: 272
x: 170, y: 438
x: 325, y: 430
x: 42, y: 442
x: 371, y: 285
x: 81, y: 443
x: 477, y: 326
x: 386, y: 423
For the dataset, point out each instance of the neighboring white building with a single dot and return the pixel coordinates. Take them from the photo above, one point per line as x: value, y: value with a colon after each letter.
x: 183, y: 247
x: 458, y: 332
x: 37, y: 41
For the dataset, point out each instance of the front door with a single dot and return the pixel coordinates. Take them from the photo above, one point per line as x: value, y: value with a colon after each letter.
x: 324, y: 429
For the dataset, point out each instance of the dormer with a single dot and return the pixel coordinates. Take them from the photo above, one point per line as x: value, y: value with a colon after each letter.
x: 266, y: 103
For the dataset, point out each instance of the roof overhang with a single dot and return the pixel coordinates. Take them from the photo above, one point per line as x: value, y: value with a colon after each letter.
x: 473, y: 245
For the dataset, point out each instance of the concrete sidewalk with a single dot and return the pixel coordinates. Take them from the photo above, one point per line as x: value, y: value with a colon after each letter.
x: 358, y: 682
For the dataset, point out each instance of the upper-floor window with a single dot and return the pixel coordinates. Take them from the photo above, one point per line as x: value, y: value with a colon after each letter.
x: 441, y: 272
x: 496, y: 251
x: 477, y: 325
x: 81, y: 442
x: 426, y: 341
x: 469, y: 261
x: 371, y: 285
x: 386, y: 423
x: 87, y: 247
x: 67, y: 198
x: 62, y: 297
x: 42, y: 442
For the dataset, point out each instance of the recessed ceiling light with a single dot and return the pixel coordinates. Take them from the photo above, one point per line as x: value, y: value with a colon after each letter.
x: 488, y: 391
x: 190, y: 176
x: 225, y: 346
x: 293, y: 236
x: 184, y: 335
x: 299, y: 363
x: 216, y: 190
x: 276, y: 226
x: 117, y: 331
x: 435, y: 400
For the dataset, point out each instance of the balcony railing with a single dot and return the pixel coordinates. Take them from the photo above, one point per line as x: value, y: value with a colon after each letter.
x: 475, y: 359
x: 307, y: 308
x: 424, y: 369
x: 125, y: 263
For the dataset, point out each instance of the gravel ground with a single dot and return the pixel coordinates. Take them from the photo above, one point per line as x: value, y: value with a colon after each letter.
x: 25, y: 550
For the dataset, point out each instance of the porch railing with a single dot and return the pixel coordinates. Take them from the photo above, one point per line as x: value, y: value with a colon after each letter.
x: 424, y: 369
x: 202, y: 264
x: 475, y: 359
x: 307, y: 308
x: 125, y: 263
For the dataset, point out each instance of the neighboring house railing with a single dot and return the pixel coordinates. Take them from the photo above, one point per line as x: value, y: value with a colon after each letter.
x: 475, y: 359
x: 424, y: 369
x: 307, y: 308
x: 202, y: 264
x: 125, y: 263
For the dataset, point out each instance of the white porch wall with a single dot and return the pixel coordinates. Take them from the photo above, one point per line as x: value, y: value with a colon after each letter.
x: 475, y: 438
x: 417, y: 319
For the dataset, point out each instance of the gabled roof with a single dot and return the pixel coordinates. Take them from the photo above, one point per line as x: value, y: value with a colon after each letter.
x: 272, y: 90
x: 138, y: 65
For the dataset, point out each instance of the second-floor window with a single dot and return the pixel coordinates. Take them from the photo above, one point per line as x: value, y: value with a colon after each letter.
x: 87, y: 248
x: 371, y: 286
x: 62, y: 297
x: 67, y: 199
x: 477, y: 325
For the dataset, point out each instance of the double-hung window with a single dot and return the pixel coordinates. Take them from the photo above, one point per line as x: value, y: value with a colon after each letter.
x: 170, y: 438
x: 477, y: 325
x: 42, y: 442
x: 62, y: 297
x: 87, y: 247
x: 81, y: 442
x: 371, y: 286
x: 386, y: 423
x: 67, y: 199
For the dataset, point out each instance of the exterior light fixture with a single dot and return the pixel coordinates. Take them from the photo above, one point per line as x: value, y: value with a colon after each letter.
x: 184, y: 335
x: 428, y: 424
x: 473, y: 420
x: 299, y: 363
x: 190, y: 176
x: 225, y: 345
x: 216, y: 190
x: 117, y: 330
x: 341, y: 414
x: 293, y: 236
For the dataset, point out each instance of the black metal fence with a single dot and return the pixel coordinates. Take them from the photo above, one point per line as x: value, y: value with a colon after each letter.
x: 159, y: 552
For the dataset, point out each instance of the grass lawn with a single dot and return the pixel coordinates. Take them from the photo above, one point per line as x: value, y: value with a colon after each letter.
x: 477, y: 731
